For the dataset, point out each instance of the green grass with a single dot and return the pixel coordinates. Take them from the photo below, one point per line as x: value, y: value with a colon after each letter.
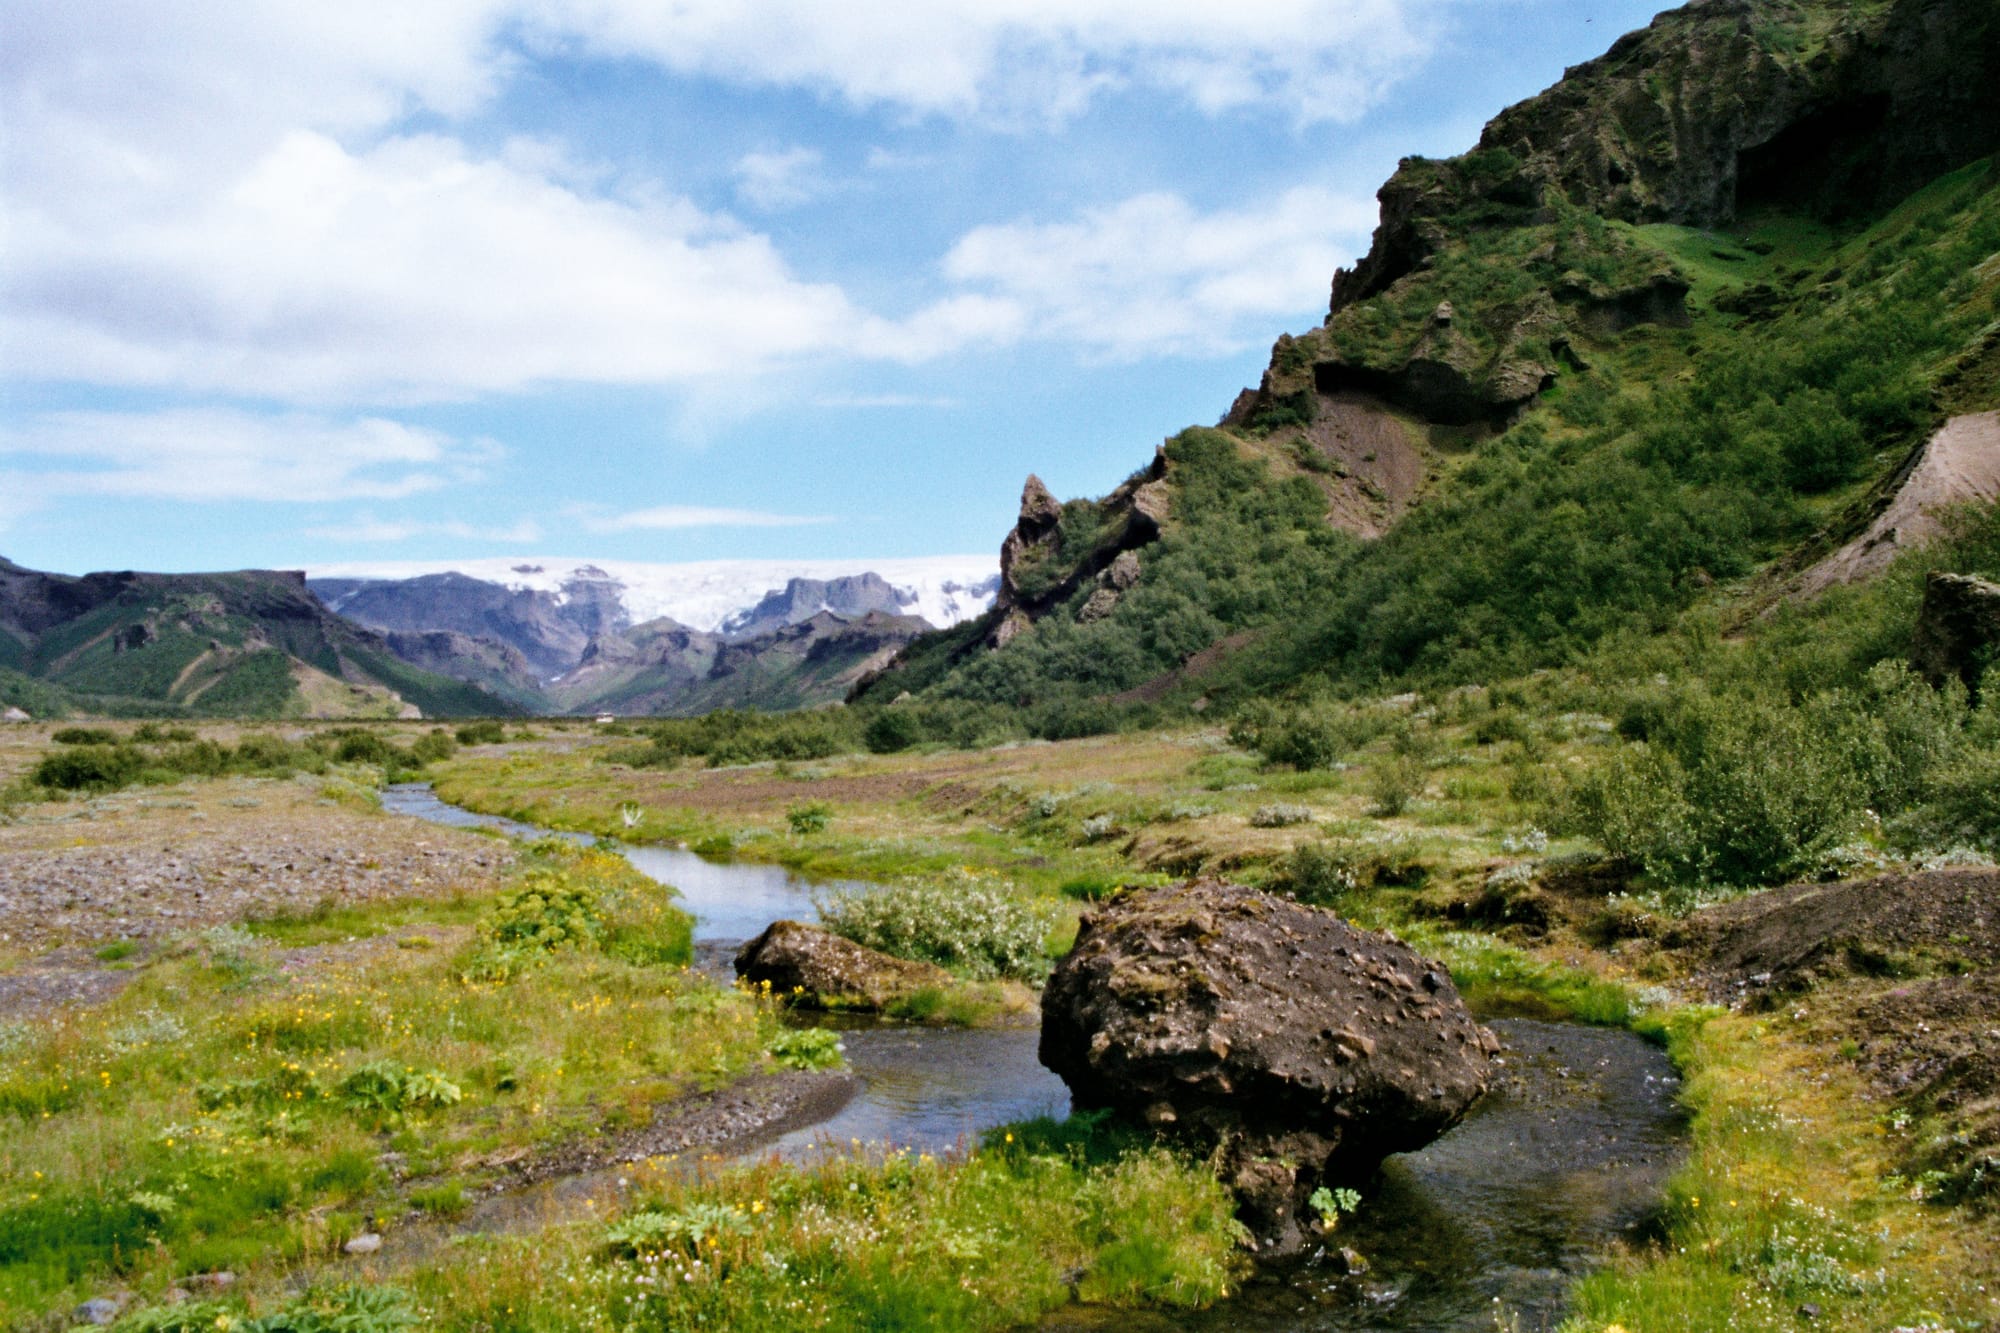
x: 1019, y: 1228
x: 1790, y: 1198
x: 234, y: 1097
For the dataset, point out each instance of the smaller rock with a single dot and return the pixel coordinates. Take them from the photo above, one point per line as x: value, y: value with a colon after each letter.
x: 367, y: 1242
x: 101, y: 1310
x: 1347, y: 1262
x: 819, y: 968
x: 1958, y: 629
x: 1123, y: 572
x: 220, y: 1280
x: 1101, y: 604
x: 1810, y: 1310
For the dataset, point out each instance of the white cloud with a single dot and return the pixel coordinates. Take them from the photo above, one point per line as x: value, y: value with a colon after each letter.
x: 1033, y: 60
x: 1152, y: 275
x: 217, y: 454
x: 408, y: 271
x: 368, y: 528
x: 223, y: 198
x: 664, y: 518
x: 781, y: 179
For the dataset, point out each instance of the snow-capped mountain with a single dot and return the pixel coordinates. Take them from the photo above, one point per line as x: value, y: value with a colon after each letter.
x: 705, y: 594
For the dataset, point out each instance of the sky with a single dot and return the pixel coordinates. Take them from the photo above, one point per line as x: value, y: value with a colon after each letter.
x: 293, y: 285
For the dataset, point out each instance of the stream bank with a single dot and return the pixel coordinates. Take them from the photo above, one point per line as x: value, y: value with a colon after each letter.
x: 1566, y: 1156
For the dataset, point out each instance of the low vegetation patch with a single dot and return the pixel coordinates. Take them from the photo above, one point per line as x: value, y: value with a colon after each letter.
x: 1039, y: 1216
x: 971, y: 924
x: 243, y: 1103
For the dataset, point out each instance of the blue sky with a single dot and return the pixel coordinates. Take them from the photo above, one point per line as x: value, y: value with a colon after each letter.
x: 295, y: 285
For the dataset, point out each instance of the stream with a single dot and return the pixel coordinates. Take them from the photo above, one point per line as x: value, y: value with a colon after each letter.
x: 1569, y: 1152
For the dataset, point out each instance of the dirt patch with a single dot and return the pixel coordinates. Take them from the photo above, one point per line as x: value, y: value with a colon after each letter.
x: 727, y: 1122
x: 1961, y: 463
x: 1374, y: 469
x: 65, y: 978
x: 1789, y: 939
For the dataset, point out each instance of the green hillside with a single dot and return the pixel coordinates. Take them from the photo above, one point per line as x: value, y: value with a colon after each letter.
x: 1603, y: 377
x: 246, y: 644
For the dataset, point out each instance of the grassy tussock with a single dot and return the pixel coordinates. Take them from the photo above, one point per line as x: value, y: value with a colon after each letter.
x: 1790, y: 1199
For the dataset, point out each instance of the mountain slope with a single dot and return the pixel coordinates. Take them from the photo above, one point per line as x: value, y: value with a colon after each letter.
x: 249, y: 643
x: 1680, y: 320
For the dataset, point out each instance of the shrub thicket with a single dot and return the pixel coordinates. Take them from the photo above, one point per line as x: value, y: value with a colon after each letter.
x: 1748, y: 788
x: 974, y: 926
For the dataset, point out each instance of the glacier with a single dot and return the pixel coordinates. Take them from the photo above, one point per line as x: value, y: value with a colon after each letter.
x: 702, y: 594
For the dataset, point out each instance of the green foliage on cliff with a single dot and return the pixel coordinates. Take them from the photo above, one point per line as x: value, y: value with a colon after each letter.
x: 1669, y: 469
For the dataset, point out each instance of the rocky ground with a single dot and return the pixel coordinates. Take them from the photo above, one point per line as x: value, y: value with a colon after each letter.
x: 1899, y: 972
x: 149, y: 863
x: 120, y: 875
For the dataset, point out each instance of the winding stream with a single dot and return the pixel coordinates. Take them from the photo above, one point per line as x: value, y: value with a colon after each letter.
x: 1569, y: 1151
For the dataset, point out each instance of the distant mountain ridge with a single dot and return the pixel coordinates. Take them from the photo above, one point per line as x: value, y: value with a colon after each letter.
x: 246, y: 643
x: 576, y: 636
x: 944, y: 590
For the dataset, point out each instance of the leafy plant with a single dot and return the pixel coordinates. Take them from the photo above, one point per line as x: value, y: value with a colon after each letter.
x: 970, y: 924
x: 808, y: 818
x: 806, y: 1048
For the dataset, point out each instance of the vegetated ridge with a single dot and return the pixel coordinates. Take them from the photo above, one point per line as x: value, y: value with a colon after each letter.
x: 250, y: 643
x: 1673, y: 330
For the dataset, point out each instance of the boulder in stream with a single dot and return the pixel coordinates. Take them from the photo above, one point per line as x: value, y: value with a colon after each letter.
x: 1304, y: 1049
x: 825, y: 971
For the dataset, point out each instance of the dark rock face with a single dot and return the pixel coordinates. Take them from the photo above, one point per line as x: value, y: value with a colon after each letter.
x: 825, y: 971
x: 1718, y: 107
x: 1304, y: 1049
x: 801, y: 599
x: 551, y: 633
x: 1958, y: 629
x: 1039, y: 569
x: 449, y: 653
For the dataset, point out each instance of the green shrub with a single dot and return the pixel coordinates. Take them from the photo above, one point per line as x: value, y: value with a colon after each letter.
x: 90, y: 767
x: 806, y: 1048
x: 548, y: 912
x: 488, y: 731
x: 85, y: 736
x: 811, y: 817
x: 1395, y: 780
x: 1319, y: 873
x: 433, y: 746
x: 382, y: 1092
x: 1736, y: 791
x: 973, y: 926
x: 893, y: 729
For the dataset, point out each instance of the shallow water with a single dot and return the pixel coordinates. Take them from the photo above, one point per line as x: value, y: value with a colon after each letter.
x: 1568, y: 1153
x: 928, y: 1089
x: 731, y: 901
x: 933, y: 1089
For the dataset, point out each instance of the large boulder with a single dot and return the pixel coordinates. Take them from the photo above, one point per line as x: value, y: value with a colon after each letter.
x: 826, y: 971
x: 1958, y: 629
x: 1302, y: 1048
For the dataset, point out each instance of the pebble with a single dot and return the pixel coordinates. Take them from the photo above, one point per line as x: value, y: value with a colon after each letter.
x: 365, y: 1243
x: 102, y: 1310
